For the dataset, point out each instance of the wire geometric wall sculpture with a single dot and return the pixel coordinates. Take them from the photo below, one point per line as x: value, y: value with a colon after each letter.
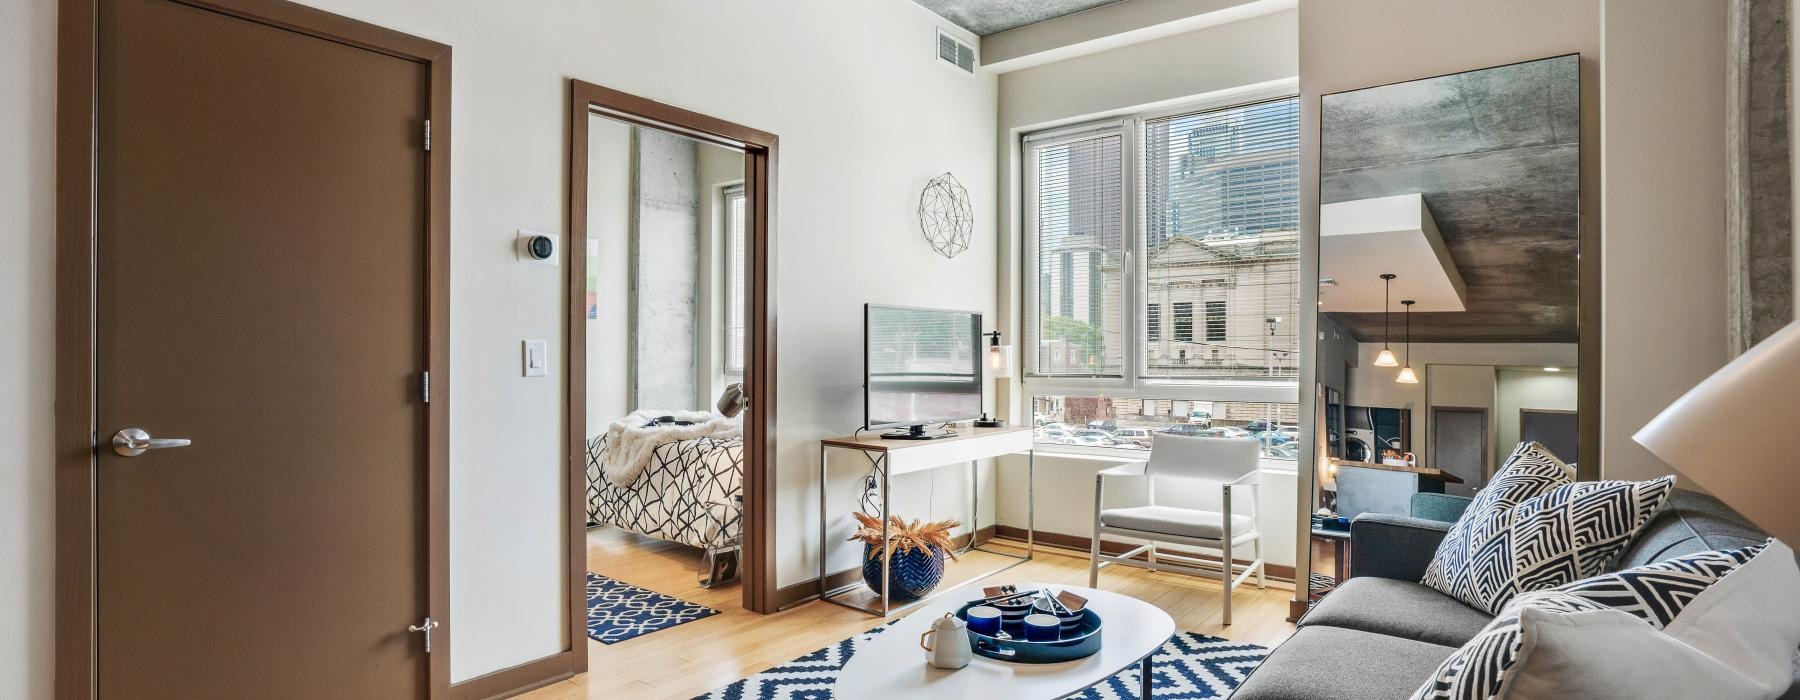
x: 945, y: 216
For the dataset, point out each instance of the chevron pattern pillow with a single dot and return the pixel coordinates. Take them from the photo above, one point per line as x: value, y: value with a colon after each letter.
x: 1531, y: 529
x: 1654, y: 594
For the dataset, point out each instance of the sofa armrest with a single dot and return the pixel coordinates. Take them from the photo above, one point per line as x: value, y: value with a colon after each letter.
x: 1394, y: 546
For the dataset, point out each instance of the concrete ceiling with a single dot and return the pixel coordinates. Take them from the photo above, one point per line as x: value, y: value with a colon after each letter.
x: 1495, y: 153
x: 984, y: 17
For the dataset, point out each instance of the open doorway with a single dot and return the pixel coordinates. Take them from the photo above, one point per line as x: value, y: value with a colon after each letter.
x: 670, y: 405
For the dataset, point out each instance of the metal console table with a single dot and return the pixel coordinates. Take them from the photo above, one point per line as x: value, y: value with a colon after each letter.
x: 894, y: 457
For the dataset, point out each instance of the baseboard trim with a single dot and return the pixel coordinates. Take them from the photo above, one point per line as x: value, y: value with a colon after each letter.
x: 808, y: 590
x: 1081, y: 544
x: 519, y: 679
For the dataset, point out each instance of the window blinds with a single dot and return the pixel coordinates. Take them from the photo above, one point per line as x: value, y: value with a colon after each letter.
x: 1075, y: 202
x: 1221, y: 213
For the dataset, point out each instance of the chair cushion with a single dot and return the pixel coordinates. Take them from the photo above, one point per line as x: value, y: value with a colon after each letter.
x: 1399, y: 609
x: 1342, y: 664
x: 1182, y: 522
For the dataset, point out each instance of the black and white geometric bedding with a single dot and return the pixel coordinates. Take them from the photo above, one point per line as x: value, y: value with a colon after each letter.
x: 687, y: 494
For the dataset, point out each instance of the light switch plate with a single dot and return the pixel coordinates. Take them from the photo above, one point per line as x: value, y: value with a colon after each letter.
x: 536, y: 358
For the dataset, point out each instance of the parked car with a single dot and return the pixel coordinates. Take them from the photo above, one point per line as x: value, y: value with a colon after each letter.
x: 1225, y: 433
x: 1133, y: 436
x: 1184, y: 429
x: 1093, y: 434
x: 1056, y: 435
x: 1286, y: 450
x: 1065, y: 427
x: 1274, y: 437
x: 1105, y: 425
x: 1200, y: 418
x: 1259, y: 425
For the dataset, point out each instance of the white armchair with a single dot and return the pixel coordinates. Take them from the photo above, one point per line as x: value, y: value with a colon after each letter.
x: 1232, y: 465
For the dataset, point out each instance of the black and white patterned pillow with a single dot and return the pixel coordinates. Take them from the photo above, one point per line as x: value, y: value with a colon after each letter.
x: 1529, y: 472
x: 1655, y: 593
x: 1517, y: 541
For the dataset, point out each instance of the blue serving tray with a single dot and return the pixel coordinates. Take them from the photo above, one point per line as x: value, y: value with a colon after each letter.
x: 1081, y: 643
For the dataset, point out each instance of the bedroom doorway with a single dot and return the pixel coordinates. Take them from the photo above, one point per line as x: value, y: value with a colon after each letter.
x: 671, y: 368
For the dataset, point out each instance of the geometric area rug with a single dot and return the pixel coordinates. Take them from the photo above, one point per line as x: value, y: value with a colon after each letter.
x: 617, y: 611
x: 1189, y: 665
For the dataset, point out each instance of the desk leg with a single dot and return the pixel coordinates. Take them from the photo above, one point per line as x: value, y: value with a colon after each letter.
x: 822, y: 518
x: 1144, y: 678
x: 1030, y: 503
x: 887, y: 582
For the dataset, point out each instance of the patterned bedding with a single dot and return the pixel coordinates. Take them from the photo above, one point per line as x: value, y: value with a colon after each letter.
x: 687, y: 494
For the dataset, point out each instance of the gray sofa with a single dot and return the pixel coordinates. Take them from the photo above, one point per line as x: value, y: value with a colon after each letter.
x: 1382, y: 633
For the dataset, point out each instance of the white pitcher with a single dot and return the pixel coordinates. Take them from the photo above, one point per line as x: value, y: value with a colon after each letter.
x: 947, y: 643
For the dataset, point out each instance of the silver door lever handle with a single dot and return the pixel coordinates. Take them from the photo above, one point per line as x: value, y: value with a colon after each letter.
x: 132, y: 442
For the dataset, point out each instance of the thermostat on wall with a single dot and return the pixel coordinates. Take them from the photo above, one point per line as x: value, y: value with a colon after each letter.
x: 540, y: 248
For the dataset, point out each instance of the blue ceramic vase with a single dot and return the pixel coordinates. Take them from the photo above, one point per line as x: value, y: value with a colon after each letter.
x: 914, y: 573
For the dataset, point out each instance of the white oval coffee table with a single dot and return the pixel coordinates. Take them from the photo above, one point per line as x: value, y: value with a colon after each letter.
x: 891, y: 665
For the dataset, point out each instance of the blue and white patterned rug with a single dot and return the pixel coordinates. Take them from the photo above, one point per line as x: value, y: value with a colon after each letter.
x: 1189, y: 665
x: 617, y: 611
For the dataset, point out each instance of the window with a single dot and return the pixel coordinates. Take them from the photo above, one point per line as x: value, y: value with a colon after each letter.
x: 1206, y: 206
x: 734, y: 280
x: 1095, y: 422
x: 1076, y: 209
x: 1162, y: 269
x: 1215, y: 322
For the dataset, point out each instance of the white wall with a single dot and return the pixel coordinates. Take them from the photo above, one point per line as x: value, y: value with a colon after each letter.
x: 1663, y: 169
x: 27, y: 300
x: 865, y: 117
x: 1521, y: 389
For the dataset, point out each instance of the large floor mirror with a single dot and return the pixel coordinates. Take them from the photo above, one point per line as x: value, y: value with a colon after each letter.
x: 670, y: 415
x: 1449, y: 326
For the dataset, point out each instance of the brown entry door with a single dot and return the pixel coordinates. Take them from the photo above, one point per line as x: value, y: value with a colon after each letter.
x: 260, y: 291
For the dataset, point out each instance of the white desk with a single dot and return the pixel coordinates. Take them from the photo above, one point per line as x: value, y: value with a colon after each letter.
x: 893, y: 457
x: 891, y: 666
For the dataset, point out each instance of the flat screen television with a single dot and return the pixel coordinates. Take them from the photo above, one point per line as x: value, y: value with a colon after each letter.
x: 921, y: 367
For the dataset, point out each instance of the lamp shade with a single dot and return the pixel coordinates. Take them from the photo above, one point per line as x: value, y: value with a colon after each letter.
x: 1729, y: 434
x: 1386, y: 359
x: 999, y: 361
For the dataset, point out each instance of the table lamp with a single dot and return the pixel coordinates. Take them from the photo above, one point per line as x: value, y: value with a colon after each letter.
x: 1728, y: 435
x: 998, y: 366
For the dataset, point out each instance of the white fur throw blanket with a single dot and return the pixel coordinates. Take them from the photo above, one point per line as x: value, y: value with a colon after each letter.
x: 629, y: 443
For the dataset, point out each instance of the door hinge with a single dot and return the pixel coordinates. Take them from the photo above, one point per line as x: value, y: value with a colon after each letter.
x: 425, y: 386
x: 428, y: 134
x: 426, y: 628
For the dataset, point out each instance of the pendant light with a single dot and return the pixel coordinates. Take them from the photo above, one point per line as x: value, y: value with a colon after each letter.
x: 1386, y: 357
x: 1406, y: 372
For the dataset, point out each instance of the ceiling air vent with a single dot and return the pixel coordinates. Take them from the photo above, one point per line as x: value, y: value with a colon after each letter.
x: 954, y: 52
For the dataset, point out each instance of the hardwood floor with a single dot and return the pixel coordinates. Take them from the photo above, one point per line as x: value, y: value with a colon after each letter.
x: 690, y: 659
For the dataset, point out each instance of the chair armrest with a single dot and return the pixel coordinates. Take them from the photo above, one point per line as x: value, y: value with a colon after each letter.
x: 1394, y: 546
x: 1127, y: 469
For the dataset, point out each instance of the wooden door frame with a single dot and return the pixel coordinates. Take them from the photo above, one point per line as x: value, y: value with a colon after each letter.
x: 77, y: 115
x: 759, y: 147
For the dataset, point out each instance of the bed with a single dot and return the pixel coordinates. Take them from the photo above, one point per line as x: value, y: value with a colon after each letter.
x: 690, y: 492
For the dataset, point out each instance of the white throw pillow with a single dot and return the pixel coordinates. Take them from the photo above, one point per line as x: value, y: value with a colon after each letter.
x: 1531, y: 529
x: 1709, y: 625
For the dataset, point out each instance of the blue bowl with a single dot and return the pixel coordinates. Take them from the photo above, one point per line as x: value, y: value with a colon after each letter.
x: 1082, y: 643
x: 1071, y: 621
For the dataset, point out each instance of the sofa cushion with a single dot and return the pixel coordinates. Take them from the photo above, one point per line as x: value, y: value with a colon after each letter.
x: 1398, y: 609
x: 1691, y: 522
x: 1707, y: 624
x: 1183, y: 522
x: 1342, y: 664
